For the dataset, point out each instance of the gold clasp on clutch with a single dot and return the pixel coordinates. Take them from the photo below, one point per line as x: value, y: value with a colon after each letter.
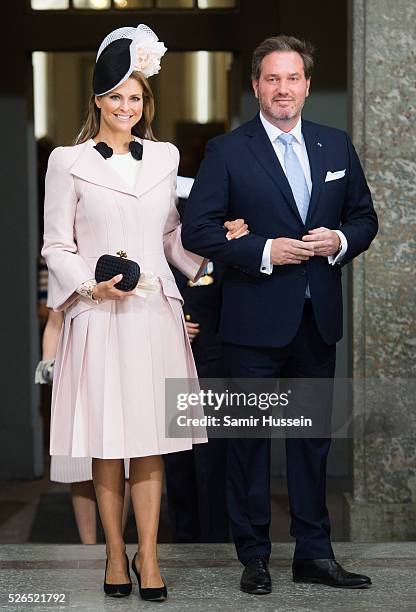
x: 122, y: 254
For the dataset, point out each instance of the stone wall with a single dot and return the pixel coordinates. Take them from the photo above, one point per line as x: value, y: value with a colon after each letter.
x: 383, y: 504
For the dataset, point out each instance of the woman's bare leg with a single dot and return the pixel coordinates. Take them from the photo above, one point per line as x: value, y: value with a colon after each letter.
x: 84, y: 503
x: 85, y: 509
x: 108, y: 477
x: 146, y: 475
x: 126, y: 505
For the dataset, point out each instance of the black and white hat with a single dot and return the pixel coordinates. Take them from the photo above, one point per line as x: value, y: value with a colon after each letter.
x: 123, y: 51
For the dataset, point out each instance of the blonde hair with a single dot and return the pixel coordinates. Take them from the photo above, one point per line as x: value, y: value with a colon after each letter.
x: 142, y: 129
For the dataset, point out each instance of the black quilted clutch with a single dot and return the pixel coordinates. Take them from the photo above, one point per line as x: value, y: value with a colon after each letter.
x: 109, y: 266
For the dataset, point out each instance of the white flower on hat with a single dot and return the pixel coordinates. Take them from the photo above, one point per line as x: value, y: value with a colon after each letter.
x: 149, y: 51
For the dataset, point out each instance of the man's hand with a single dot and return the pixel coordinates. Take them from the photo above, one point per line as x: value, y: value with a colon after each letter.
x: 290, y: 251
x: 325, y: 241
x: 236, y: 229
x: 192, y: 330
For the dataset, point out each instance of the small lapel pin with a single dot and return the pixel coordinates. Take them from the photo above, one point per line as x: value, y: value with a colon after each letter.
x: 319, y: 144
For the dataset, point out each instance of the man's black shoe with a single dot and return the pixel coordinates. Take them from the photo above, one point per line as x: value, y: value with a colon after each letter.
x: 256, y: 578
x: 329, y: 572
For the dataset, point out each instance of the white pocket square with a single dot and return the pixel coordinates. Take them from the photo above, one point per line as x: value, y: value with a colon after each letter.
x: 334, y: 176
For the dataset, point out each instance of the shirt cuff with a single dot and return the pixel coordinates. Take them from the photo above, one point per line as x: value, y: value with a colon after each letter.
x: 86, y: 289
x: 333, y: 259
x: 266, y: 265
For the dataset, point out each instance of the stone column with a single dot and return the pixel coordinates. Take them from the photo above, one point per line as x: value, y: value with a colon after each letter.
x: 21, y: 446
x: 383, y: 503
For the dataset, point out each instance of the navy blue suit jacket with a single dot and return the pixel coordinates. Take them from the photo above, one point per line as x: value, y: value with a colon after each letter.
x: 242, y: 177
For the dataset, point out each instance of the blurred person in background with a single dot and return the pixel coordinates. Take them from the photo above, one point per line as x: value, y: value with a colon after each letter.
x: 195, y: 479
x: 44, y: 147
x: 75, y: 471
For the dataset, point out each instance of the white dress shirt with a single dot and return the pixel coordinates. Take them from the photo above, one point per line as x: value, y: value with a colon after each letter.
x: 299, y: 148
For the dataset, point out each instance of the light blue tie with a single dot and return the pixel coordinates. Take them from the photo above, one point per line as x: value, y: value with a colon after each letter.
x: 295, y: 176
x: 297, y: 181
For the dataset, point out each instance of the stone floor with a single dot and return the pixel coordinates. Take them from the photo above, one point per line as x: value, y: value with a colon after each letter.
x: 39, y: 554
x: 205, y: 577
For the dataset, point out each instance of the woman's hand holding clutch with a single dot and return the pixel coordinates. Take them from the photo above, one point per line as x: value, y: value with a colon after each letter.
x: 107, y: 291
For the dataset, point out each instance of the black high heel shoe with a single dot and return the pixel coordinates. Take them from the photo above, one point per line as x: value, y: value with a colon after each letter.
x: 118, y: 590
x: 152, y: 594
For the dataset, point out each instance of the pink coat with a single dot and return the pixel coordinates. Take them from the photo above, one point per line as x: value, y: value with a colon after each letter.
x: 113, y: 357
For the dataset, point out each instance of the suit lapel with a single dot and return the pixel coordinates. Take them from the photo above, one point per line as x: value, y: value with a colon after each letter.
x: 315, y: 150
x: 93, y: 168
x: 262, y: 149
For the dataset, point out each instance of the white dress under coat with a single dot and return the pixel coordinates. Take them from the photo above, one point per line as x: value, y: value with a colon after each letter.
x: 108, y: 397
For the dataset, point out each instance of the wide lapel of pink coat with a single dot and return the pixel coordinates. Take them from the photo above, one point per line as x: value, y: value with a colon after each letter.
x: 157, y: 164
x: 91, y: 166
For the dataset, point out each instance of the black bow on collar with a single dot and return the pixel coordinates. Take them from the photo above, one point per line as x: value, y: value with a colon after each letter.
x: 135, y: 148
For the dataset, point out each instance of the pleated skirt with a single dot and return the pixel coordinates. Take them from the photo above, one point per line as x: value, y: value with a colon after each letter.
x: 75, y: 469
x: 108, y: 397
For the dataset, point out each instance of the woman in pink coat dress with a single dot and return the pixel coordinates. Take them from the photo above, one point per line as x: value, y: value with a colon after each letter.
x: 112, y: 192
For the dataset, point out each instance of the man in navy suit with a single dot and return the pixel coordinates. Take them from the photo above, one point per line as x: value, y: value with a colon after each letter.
x: 302, y: 191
